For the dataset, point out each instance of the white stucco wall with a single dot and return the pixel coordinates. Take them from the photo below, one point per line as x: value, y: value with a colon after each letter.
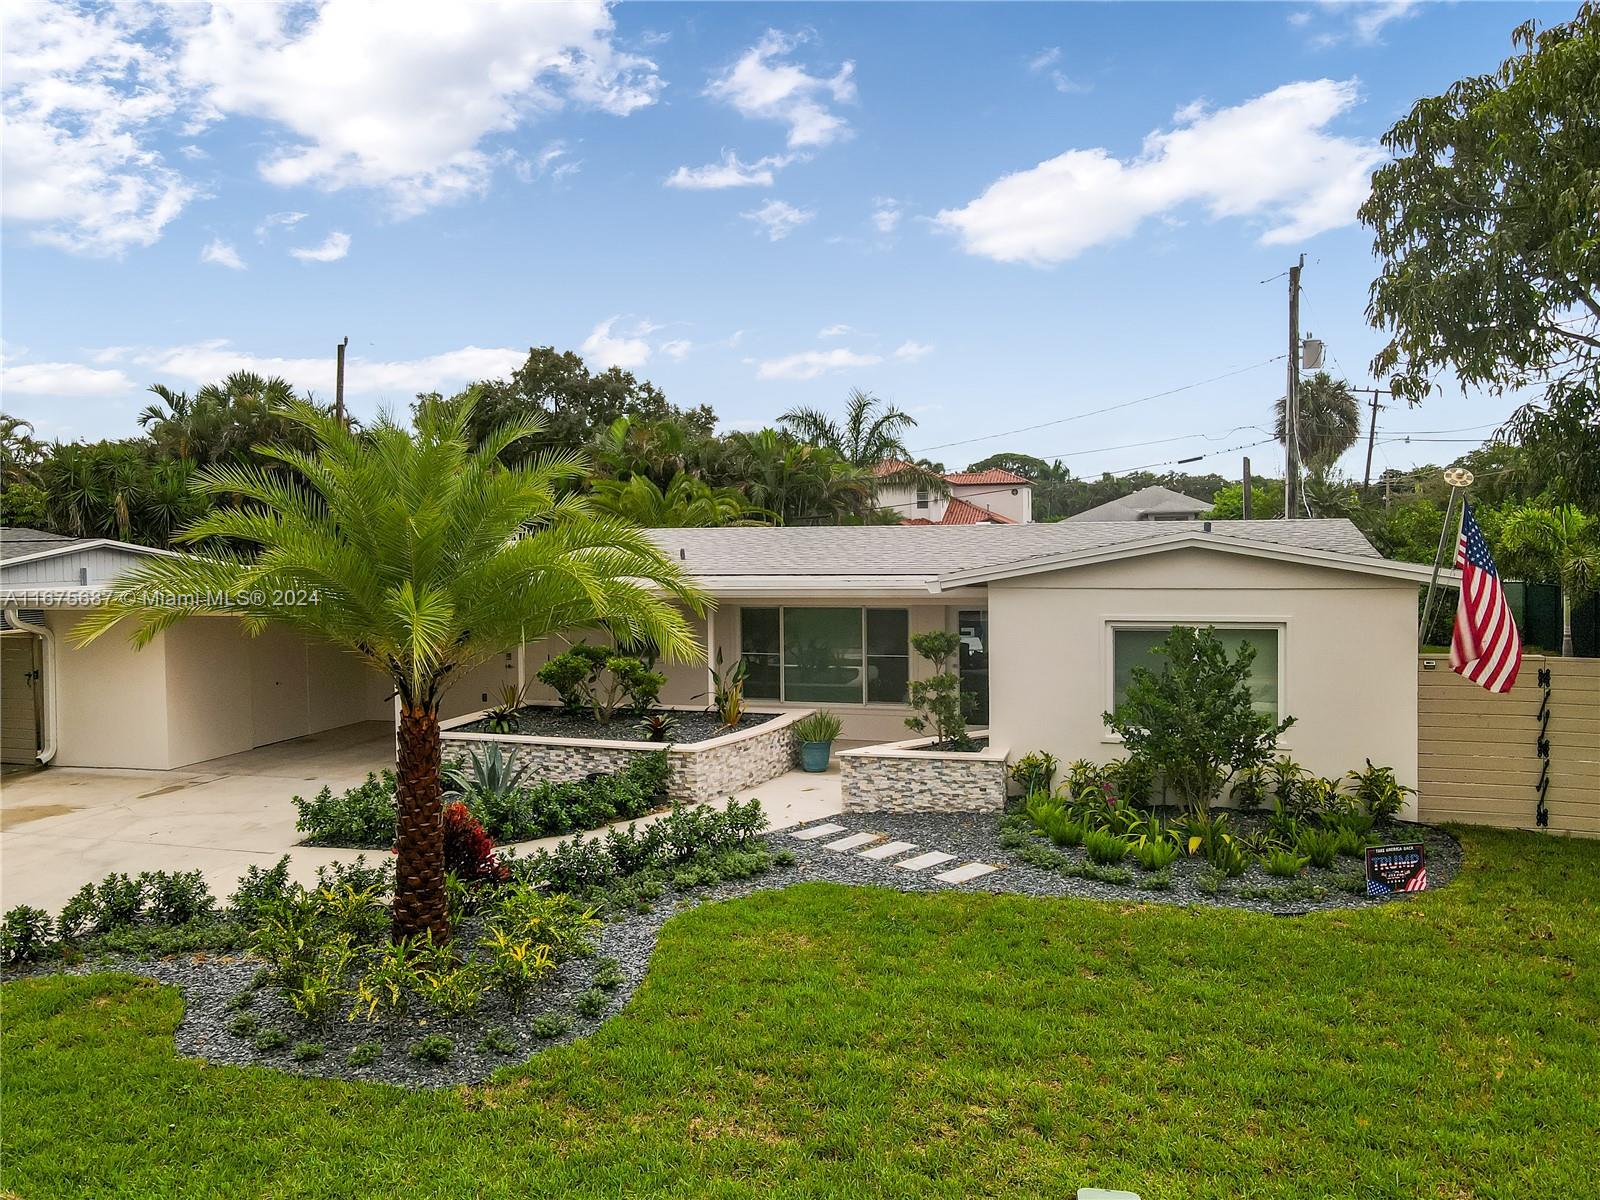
x: 208, y: 689
x: 1347, y: 650
x: 1012, y: 502
x: 111, y: 702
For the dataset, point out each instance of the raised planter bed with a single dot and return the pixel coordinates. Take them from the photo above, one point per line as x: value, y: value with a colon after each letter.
x: 762, y: 748
x: 912, y: 777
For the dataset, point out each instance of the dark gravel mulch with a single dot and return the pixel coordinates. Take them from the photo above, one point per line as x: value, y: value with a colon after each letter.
x: 537, y: 720
x: 210, y: 985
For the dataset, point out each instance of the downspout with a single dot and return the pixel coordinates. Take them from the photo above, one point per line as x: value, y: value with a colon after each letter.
x: 47, y: 677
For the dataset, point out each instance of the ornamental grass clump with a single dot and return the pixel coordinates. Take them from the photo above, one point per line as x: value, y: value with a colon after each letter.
x: 1105, y: 847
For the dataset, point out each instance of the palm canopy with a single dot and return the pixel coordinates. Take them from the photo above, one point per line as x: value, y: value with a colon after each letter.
x: 871, y: 432
x: 1330, y: 422
x: 423, y: 556
x: 684, y: 503
x: 1563, y: 542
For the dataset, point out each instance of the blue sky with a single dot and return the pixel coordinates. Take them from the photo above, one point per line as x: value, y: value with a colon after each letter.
x: 993, y: 215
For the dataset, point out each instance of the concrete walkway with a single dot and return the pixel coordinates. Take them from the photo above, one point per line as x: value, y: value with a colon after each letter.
x: 908, y: 856
x: 66, y: 826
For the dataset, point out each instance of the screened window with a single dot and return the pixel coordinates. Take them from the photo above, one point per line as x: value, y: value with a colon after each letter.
x: 826, y: 655
x: 922, y: 497
x: 1136, y: 648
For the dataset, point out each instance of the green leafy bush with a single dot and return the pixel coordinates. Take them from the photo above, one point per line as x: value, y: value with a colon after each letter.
x: 1378, y: 791
x: 307, y: 1051
x: 360, y: 816
x: 1105, y: 847
x: 592, y: 1003
x: 26, y: 935
x: 602, y: 680
x: 271, y: 1038
x: 1320, y: 846
x: 1195, y: 721
x: 497, y: 1039
x: 1034, y: 773
x: 364, y: 1054
x: 550, y: 808
x: 434, y: 1048
x: 1285, y: 864
x: 244, y: 1025
x: 549, y: 1025
x: 1350, y: 843
x: 940, y: 703
x: 259, y: 887
x: 608, y: 975
x: 1156, y: 855
x: 1228, y: 856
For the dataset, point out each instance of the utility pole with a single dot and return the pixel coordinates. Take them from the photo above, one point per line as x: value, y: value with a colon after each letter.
x: 338, y: 384
x: 1372, y: 433
x: 1291, y: 400
x: 1246, y: 487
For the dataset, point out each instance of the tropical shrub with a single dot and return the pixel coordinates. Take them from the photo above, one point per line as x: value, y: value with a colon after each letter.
x: 1195, y: 722
x: 502, y: 717
x: 468, y: 849
x: 1284, y: 863
x: 307, y: 1051
x: 364, y: 1054
x: 1083, y: 774
x: 1156, y: 855
x: 434, y: 1048
x: 26, y: 934
x: 727, y: 691
x: 1132, y: 780
x: 1063, y: 830
x: 659, y: 727
x: 1378, y: 791
x: 1349, y: 843
x: 940, y: 704
x: 820, y: 726
x: 1228, y: 855
x: 1105, y: 847
x: 602, y: 680
x: 1034, y: 773
x: 259, y: 887
x: 1320, y: 846
x: 359, y: 816
x: 1252, y: 787
x: 549, y: 1025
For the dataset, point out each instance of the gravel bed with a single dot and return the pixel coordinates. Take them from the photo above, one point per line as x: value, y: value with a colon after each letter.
x: 210, y: 984
x: 538, y: 720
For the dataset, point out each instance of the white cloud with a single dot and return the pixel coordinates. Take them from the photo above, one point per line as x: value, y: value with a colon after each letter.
x: 762, y: 84
x: 1361, y: 23
x: 1367, y: 21
x: 1269, y: 159
x: 208, y: 361
x: 410, y: 113
x: 730, y: 172
x: 678, y: 349
x: 279, y: 220
x: 1049, y: 60
x: 603, y: 349
x: 61, y: 379
x: 811, y: 363
x: 1047, y: 57
x: 833, y: 331
x: 886, y: 214
x: 406, y: 97
x: 777, y: 219
x: 82, y: 97
x: 909, y: 351
x: 334, y: 247
x: 222, y: 253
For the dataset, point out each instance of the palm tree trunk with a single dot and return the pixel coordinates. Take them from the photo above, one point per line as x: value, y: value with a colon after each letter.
x: 1566, y: 623
x: 419, y: 897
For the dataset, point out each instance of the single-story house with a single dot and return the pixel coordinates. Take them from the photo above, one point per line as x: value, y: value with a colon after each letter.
x: 1051, y: 618
x: 1154, y: 503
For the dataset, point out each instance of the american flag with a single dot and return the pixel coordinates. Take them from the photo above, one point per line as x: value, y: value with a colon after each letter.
x: 1417, y: 883
x: 1484, y: 646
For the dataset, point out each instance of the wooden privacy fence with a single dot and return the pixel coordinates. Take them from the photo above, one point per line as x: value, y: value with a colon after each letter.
x: 1486, y: 759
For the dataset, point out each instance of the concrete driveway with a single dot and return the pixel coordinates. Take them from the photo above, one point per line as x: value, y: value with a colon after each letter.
x: 63, y: 827
x: 66, y: 826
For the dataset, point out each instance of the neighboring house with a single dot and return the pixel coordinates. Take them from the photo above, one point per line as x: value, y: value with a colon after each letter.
x: 1147, y: 504
x: 1052, y: 618
x: 967, y: 497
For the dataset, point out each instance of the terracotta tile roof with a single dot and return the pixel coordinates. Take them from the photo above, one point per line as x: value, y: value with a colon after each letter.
x: 959, y: 512
x: 993, y: 475
x: 891, y: 466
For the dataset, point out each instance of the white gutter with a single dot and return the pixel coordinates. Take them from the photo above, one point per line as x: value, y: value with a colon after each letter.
x: 47, y: 677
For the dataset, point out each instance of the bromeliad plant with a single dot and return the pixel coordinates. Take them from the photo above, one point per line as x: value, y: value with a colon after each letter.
x: 424, y: 552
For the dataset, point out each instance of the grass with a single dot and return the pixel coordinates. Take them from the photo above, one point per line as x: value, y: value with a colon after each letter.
x: 833, y: 1041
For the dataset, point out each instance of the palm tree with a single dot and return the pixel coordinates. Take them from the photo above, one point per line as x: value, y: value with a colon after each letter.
x: 684, y: 503
x: 801, y: 482
x: 1561, y: 541
x: 221, y: 421
x: 869, y: 436
x: 1330, y: 422
x: 423, y: 557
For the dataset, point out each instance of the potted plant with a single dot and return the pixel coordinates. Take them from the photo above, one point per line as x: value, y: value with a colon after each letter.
x: 816, y: 733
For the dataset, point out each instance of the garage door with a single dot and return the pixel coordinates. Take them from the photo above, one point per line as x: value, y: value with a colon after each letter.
x: 19, y: 721
x: 278, y: 703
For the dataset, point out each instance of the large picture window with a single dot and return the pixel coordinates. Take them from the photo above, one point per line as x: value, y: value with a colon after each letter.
x: 826, y: 655
x: 1135, y: 647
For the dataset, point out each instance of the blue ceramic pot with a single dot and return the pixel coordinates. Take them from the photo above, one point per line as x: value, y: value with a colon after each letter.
x: 814, y: 755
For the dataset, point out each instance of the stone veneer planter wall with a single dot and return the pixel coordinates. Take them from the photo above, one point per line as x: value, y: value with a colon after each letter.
x: 904, y: 777
x: 702, y: 772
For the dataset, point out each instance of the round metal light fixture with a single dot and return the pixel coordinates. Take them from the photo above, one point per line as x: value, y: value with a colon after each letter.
x: 1458, y: 477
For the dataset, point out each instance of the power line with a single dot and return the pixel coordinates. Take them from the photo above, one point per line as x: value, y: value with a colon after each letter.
x: 989, y: 437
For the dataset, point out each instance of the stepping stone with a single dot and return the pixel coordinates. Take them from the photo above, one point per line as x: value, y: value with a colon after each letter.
x: 816, y: 831
x: 888, y: 850
x: 965, y: 872
x: 853, y: 841
x: 923, y: 861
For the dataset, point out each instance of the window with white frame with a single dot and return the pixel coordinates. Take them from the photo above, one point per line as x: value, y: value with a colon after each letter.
x: 825, y: 655
x: 922, y: 497
x: 1134, y: 645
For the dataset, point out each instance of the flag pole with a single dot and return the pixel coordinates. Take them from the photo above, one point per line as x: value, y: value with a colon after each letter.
x: 1459, y: 479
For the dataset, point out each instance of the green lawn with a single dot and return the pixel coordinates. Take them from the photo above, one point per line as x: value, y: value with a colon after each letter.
x: 826, y: 1041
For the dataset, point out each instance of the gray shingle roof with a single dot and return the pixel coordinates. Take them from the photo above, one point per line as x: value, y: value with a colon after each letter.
x: 17, y: 540
x: 1154, y: 499
x: 933, y: 550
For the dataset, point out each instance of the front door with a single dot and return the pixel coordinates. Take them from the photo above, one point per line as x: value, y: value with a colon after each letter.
x: 973, y: 626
